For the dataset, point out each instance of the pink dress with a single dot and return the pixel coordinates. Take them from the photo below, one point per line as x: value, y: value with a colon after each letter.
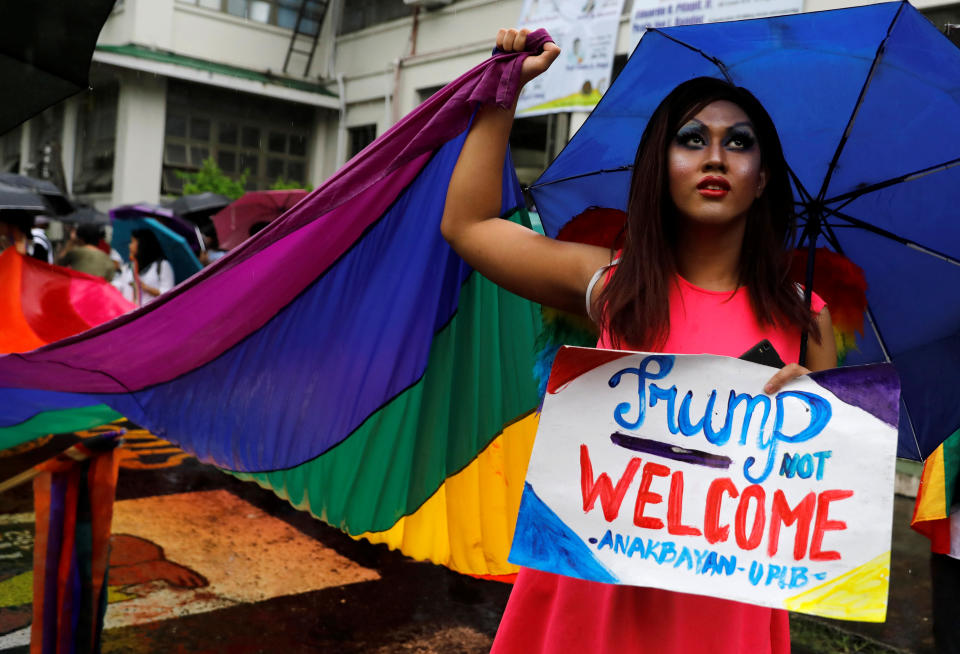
x: 548, y: 613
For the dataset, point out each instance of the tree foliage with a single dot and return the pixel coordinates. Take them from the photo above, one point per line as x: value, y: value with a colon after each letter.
x: 284, y: 184
x: 211, y: 178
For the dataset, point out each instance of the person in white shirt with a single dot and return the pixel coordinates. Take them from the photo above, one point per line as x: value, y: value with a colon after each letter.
x: 148, y: 274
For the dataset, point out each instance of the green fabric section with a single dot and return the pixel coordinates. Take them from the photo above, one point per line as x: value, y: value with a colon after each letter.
x: 478, y: 379
x: 140, y: 52
x: 56, y: 422
x: 951, y: 468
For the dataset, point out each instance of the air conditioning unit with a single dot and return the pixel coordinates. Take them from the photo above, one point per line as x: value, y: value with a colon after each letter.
x: 427, y: 4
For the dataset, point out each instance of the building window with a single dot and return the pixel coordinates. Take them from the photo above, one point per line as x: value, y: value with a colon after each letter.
x: 282, y: 13
x: 96, y: 141
x: 366, y: 13
x: 425, y: 94
x: 265, y: 138
x: 360, y: 137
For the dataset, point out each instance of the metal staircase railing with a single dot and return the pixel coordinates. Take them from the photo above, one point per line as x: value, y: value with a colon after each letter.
x: 306, y: 31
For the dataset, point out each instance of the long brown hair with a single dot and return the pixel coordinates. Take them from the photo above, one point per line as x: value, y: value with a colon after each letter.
x: 634, y: 304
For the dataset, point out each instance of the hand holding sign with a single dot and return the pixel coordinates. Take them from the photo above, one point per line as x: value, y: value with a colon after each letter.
x: 660, y: 470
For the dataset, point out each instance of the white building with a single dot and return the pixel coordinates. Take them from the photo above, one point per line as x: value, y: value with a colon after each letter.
x: 177, y: 81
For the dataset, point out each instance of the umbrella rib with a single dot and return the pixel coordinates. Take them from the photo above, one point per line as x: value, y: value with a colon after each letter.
x: 856, y: 107
x: 803, y: 191
x: 879, y: 231
x: 572, y: 177
x: 716, y: 62
x: 908, y: 177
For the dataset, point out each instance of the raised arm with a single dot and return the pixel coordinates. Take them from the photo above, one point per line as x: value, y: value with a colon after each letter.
x: 541, y: 269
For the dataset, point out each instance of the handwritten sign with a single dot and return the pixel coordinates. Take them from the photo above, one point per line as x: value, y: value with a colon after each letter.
x: 678, y: 472
x: 587, y: 34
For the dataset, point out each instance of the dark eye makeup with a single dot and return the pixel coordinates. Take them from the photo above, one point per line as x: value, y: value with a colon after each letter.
x: 741, y: 138
x: 691, y: 135
x: 694, y: 135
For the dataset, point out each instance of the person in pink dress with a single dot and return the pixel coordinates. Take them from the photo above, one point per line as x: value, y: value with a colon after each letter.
x: 703, y: 269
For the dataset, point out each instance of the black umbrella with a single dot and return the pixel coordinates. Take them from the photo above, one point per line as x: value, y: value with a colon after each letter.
x: 199, y: 204
x: 14, y: 198
x: 45, y: 49
x: 86, y: 216
x: 57, y: 203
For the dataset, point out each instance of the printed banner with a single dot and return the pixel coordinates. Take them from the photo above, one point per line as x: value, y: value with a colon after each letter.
x: 586, y: 31
x: 678, y: 472
x: 665, y: 13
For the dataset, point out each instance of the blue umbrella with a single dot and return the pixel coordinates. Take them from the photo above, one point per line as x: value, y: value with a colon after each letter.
x: 175, y: 247
x: 866, y: 101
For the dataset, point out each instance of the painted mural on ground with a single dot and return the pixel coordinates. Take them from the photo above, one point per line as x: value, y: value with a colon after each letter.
x: 176, y: 555
x: 677, y: 472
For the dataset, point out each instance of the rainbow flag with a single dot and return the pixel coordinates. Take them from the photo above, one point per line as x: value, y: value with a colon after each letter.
x: 938, y: 485
x: 345, y: 357
x: 41, y: 304
x: 73, y: 503
x: 73, y: 493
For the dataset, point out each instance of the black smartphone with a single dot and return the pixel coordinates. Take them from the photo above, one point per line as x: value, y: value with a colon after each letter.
x: 763, y: 353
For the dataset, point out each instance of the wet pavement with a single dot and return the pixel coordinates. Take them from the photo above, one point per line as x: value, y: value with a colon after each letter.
x: 204, y: 562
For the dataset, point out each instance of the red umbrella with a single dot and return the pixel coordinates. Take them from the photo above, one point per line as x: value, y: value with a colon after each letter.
x: 234, y: 221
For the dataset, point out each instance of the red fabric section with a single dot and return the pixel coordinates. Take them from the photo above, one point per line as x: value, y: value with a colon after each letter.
x: 506, y: 579
x: 41, y: 509
x: 96, y: 301
x: 938, y: 531
x: 570, y: 363
x: 45, y: 301
x: 15, y: 333
x: 101, y: 486
x: 58, y: 302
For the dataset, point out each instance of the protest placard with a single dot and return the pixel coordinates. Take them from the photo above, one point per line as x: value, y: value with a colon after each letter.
x: 678, y: 472
x: 586, y: 32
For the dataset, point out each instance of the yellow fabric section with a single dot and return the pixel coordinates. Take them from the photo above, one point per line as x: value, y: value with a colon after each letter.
x: 931, y: 501
x: 860, y: 594
x: 467, y: 525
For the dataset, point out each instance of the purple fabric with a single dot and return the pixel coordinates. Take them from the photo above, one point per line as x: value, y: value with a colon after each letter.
x: 875, y: 389
x: 58, y: 498
x: 187, y: 328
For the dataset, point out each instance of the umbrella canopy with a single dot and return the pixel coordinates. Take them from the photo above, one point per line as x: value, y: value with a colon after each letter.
x: 56, y: 202
x: 202, y: 204
x: 175, y: 248
x: 865, y: 100
x: 14, y: 198
x: 46, y: 47
x: 86, y: 215
x: 164, y: 216
x: 234, y: 222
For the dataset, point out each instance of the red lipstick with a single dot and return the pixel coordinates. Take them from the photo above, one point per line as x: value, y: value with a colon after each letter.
x: 713, y: 187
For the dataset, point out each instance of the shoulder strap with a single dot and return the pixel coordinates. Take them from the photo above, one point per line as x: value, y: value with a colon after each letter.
x: 593, y: 282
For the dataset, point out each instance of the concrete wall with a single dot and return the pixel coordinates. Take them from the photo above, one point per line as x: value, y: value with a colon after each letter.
x: 138, y: 159
x: 210, y: 35
x: 396, y: 59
